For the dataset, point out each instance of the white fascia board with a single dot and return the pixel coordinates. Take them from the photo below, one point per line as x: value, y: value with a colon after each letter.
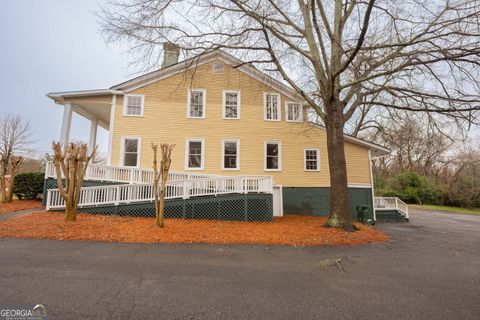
x: 81, y: 93
x: 59, y: 97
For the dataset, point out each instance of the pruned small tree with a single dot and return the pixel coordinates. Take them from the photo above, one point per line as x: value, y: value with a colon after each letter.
x: 70, y: 166
x: 161, y: 177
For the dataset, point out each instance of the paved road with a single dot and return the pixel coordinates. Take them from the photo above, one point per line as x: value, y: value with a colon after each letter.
x: 431, y: 270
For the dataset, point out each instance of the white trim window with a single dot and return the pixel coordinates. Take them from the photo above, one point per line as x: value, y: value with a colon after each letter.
x: 312, y: 159
x: 194, y: 154
x: 273, y: 156
x: 271, y: 104
x: 293, y: 112
x: 133, y: 105
x: 231, y: 105
x: 231, y: 154
x: 196, y: 103
x: 130, y: 152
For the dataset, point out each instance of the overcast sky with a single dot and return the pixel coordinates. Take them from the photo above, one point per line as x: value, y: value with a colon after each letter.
x: 53, y: 45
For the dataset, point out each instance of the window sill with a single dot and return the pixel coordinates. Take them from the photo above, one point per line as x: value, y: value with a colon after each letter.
x: 272, y: 120
x: 133, y: 115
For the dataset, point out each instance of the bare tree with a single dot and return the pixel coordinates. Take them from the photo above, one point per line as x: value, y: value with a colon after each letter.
x: 415, y: 146
x: 338, y: 55
x: 70, y: 166
x: 14, y: 140
x: 162, y: 176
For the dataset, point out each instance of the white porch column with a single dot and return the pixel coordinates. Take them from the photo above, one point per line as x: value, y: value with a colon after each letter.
x: 110, y: 130
x: 66, y: 123
x: 93, y: 134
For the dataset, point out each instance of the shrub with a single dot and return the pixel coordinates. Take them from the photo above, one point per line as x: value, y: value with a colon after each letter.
x: 411, y: 188
x: 465, y: 192
x: 29, y: 185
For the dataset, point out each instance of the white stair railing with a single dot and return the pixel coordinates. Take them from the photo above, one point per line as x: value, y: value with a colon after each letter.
x: 391, y: 203
x: 131, y: 193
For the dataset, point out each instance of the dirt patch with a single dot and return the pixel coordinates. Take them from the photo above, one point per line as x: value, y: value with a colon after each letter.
x: 18, y: 205
x: 289, y: 230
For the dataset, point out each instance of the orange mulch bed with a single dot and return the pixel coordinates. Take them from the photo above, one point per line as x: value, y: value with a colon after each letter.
x: 289, y: 230
x: 17, y: 205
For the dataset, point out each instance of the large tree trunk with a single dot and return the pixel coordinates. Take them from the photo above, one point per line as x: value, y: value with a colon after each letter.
x: 340, y: 216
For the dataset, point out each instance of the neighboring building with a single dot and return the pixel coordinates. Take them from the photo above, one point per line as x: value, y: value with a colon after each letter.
x: 225, y: 118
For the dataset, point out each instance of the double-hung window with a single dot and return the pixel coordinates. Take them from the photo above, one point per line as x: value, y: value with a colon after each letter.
x: 273, y: 156
x: 231, y: 105
x: 133, y: 105
x: 293, y: 112
x: 231, y: 155
x: 195, y: 154
x: 271, y: 103
x: 196, y: 103
x: 130, y: 152
x: 312, y: 160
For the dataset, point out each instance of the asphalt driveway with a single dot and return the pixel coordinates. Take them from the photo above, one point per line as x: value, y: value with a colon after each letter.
x: 430, y: 270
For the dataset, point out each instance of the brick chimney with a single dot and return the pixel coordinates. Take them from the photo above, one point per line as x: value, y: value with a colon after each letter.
x: 170, y: 54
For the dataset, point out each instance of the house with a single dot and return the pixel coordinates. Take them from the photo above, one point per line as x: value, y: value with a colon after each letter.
x: 227, y: 119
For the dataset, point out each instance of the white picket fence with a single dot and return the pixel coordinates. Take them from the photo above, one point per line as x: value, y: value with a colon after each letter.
x: 127, y: 174
x: 391, y: 203
x: 131, y: 193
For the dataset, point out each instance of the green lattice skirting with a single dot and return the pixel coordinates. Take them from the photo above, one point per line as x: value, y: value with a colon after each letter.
x: 231, y: 207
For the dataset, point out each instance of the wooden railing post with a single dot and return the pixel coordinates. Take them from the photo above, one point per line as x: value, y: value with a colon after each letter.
x: 117, y: 196
x: 49, y: 196
x: 185, y: 192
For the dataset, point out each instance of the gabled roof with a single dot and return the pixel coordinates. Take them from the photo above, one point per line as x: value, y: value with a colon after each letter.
x: 196, y: 61
x: 376, y: 150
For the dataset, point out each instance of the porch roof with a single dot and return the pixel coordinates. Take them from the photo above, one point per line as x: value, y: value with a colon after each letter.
x: 91, y: 104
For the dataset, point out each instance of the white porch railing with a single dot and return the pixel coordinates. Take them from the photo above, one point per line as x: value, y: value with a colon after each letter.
x: 391, y: 203
x: 131, y: 193
x: 127, y: 174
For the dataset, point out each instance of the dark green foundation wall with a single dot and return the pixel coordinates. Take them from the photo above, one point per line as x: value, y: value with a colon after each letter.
x: 316, y: 201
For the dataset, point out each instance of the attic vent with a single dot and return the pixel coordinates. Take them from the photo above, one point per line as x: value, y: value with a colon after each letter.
x: 218, y: 68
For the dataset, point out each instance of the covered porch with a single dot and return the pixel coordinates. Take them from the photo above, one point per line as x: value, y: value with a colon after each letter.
x: 98, y: 107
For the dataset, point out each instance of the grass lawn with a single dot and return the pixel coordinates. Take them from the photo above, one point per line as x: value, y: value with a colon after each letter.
x: 448, y: 209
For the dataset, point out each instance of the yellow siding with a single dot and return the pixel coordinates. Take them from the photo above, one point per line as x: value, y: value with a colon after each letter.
x: 165, y: 120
